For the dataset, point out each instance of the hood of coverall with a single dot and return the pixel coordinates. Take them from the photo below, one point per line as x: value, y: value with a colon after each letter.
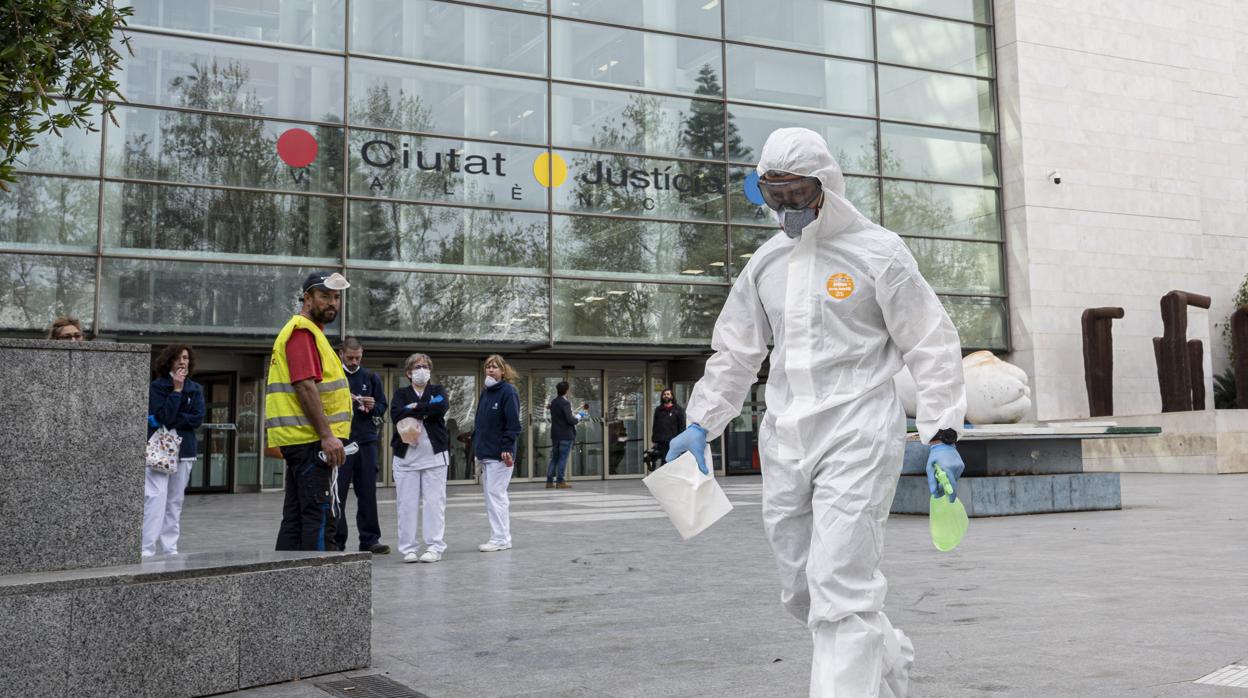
x: 801, y: 151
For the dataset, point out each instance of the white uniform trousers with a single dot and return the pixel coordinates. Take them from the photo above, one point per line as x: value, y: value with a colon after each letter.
x: 824, y: 516
x: 495, y: 476
x: 421, y: 493
x: 162, y: 507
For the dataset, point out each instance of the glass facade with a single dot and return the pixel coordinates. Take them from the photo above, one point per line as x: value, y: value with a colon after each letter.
x: 511, y: 173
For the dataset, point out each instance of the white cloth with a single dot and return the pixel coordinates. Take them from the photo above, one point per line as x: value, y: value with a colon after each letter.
x: 846, y: 307
x: 421, y: 493
x: 163, y: 495
x: 495, y: 476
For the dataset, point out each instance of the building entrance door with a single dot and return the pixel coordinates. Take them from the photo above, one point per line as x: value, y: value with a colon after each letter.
x: 217, y: 437
x: 626, y: 423
x: 585, y: 462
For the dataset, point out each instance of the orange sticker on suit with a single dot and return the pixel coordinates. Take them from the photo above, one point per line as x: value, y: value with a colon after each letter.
x: 840, y: 286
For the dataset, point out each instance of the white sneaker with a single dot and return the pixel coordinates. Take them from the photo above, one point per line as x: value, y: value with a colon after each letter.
x: 493, y: 547
x: 411, y: 557
x: 430, y: 556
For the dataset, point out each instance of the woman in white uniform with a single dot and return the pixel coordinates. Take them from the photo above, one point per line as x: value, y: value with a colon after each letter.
x: 495, y: 433
x: 421, y: 450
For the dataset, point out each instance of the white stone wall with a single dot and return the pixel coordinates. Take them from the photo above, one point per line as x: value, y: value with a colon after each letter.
x: 1140, y: 105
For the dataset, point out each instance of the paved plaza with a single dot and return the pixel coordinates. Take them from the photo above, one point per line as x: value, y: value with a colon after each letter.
x: 600, y: 597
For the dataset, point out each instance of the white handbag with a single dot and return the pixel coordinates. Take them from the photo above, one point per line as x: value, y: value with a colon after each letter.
x: 692, y: 501
x: 162, y: 450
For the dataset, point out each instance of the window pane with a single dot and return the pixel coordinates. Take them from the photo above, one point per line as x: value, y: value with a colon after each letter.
x: 745, y: 242
x: 970, y: 10
x: 852, y: 141
x: 937, y: 99
x: 74, y: 151
x: 797, y: 80
x: 683, y: 16
x: 864, y: 194
x: 928, y: 153
x: 440, y: 32
x: 233, y: 151
x: 214, y: 76
x: 635, y: 59
x: 811, y: 25
x: 611, y: 246
x: 439, y: 236
x: 164, y: 297
x: 451, y: 102
x: 598, y: 311
x: 959, y: 267
x: 38, y: 288
x: 980, y: 321
x: 452, y: 307
x: 313, y: 23
x: 918, y: 208
x: 221, y: 223
x: 49, y: 213
x: 599, y: 183
x: 586, y: 117
x: 933, y: 43
x: 440, y: 170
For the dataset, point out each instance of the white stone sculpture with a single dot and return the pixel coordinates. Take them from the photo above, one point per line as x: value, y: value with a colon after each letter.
x: 996, y: 391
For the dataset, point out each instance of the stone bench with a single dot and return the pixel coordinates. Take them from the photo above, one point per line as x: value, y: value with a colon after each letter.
x: 1020, y: 469
x: 188, y: 625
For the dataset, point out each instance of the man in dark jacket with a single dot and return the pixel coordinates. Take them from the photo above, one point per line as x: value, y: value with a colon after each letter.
x: 368, y: 396
x: 669, y: 421
x: 562, y: 435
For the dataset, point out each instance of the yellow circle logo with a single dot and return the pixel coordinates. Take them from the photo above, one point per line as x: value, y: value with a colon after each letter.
x: 549, y: 169
x: 840, y: 286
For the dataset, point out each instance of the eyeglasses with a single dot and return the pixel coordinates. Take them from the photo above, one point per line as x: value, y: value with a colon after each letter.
x: 790, y: 193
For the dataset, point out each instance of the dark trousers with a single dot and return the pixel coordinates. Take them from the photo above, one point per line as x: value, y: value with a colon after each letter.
x: 307, y: 523
x: 359, y: 471
x: 559, y: 451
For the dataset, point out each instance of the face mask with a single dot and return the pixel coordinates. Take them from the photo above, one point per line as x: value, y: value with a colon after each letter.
x: 490, y: 381
x: 794, y: 220
x: 420, y: 376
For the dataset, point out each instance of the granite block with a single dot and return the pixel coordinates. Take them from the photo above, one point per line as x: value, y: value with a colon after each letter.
x: 1005, y: 457
x: 177, y: 638
x: 73, y: 485
x: 1012, y: 495
x: 34, y: 628
x: 305, y: 621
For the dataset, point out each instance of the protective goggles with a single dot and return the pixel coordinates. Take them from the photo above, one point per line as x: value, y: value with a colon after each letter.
x: 790, y: 193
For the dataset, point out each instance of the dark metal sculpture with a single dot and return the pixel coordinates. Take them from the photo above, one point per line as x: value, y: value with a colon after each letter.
x: 1239, y: 342
x: 1098, y: 358
x: 1180, y: 363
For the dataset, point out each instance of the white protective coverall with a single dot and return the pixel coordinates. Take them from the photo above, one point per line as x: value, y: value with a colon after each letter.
x: 844, y: 306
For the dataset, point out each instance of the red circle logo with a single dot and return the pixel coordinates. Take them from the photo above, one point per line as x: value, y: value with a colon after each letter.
x: 296, y: 147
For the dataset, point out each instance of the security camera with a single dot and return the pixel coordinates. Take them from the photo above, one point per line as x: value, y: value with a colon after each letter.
x: 1056, y: 177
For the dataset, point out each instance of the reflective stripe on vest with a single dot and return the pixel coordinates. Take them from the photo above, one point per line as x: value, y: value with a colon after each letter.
x: 285, y: 423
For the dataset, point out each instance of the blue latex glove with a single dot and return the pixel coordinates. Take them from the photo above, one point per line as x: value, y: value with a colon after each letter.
x: 947, y: 456
x: 692, y: 440
x: 582, y: 415
x: 436, y: 399
x: 151, y: 421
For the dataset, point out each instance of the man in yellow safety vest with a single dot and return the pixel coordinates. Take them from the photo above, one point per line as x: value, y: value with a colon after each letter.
x: 308, y: 415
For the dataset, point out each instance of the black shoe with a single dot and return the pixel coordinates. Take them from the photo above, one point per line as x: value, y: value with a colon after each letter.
x: 379, y: 549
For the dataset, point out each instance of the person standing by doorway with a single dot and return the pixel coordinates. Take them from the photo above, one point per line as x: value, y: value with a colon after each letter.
x: 360, y: 469
x: 307, y: 409
x: 176, y: 402
x: 669, y: 421
x: 496, y: 431
x: 562, y: 436
x: 422, y: 450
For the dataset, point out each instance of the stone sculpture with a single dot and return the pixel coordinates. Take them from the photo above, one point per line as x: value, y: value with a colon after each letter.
x: 997, y: 392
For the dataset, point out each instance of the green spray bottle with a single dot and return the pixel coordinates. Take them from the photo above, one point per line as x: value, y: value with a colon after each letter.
x: 947, y: 520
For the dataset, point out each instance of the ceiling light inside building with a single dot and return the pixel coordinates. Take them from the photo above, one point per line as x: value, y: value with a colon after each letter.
x: 693, y: 271
x: 607, y: 66
x: 715, y: 264
x: 526, y: 113
x: 617, y: 293
x: 711, y: 5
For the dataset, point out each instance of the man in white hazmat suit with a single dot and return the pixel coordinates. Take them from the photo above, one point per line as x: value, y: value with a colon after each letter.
x: 845, y: 306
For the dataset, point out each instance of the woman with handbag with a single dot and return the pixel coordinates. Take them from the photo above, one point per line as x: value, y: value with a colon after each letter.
x: 175, y: 405
x: 421, y: 448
